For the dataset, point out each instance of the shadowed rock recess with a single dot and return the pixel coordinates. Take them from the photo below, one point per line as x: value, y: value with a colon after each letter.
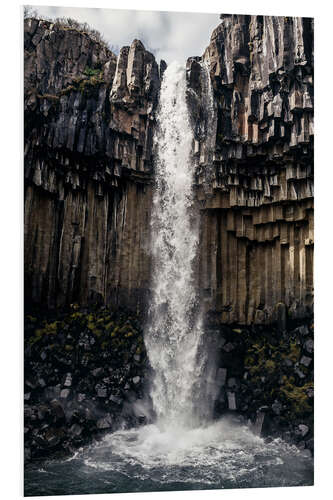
x: 89, y: 123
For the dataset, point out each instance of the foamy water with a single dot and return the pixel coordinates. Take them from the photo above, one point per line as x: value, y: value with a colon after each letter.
x: 224, y: 454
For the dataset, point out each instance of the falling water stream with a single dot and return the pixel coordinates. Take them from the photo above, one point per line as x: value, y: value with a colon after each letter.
x: 174, y: 329
x: 184, y: 448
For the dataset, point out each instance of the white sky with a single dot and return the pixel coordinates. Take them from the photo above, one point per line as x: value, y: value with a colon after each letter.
x: 169, y: 35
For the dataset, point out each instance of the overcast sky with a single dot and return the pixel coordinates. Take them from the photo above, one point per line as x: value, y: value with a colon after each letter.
x: 169, y: 35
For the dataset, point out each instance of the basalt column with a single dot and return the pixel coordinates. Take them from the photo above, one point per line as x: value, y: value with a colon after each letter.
x: 256, y: 240
x: 89, y: 119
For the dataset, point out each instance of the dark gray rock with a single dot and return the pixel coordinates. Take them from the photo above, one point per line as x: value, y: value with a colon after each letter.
x: 50, y: 438
x: 43, y: 412
x: 259, y: 422
x: 104, y: 423
x: 308, y: 346
x: 309, y: 443
x: 28, y: 413
x: 303, y: 330
x: 299, y: 373
x: 76, y: 430
x: 57, y: 411
x: 41, y: 382
x: 101, y: 391
x: 232, y: 383
x: 30, y: 383
x: 310, y: 392
x: 301, y: 445
x: 304, y: 429
x: 65, y: 393
x: 231, y: 401
x: 305, y: 361
x: 116, y: 399
x: 97, y: 372
x: 68, y: 380
x: 277, y: 407
x: 228, y: 347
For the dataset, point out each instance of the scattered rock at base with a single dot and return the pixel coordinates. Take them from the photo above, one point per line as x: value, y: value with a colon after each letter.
x: 231, y: 401
x: 305, y: 360
x: 64, y: 394
x: 104, y: 423
x: 304, y: 429
x: 258, y: 424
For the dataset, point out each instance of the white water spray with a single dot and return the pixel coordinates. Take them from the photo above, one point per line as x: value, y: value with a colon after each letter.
x: 174, y: 332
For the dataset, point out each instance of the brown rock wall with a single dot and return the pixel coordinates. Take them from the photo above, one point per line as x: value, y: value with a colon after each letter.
x: 88, y: 249
x: 251, y: 260
x: 257, y: 218
x: 89, y: 118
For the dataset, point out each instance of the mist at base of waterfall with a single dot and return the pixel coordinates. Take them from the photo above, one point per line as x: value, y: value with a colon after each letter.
x: 222, y: 455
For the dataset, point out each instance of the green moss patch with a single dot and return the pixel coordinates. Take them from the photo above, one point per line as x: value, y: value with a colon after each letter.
x: 275, y: 374
x: 109, y: 331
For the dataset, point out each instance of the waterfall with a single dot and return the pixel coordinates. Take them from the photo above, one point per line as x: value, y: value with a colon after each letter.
x: 175, y: 330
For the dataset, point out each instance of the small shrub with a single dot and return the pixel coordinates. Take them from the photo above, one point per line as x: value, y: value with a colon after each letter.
x: 92, y: 72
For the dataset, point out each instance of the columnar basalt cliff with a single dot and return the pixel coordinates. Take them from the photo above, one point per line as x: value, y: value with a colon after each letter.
x: 89, y: 172
x: 88, y: 159
x: 89, y: 120
x: 257, y: 217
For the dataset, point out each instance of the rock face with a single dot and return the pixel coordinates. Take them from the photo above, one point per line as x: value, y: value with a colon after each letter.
x: 83, y: 374
x: 89, y: 123
x: 257, y: 219
x: 265, y: 379
x: 89, y: 120
x: 88, y: 131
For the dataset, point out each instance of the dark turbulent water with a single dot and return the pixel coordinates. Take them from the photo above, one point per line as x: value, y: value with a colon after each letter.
x: 222, y: 455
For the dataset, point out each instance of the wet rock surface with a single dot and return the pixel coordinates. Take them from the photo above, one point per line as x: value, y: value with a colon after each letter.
x: 265, y: 381
x: 81, y: 378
